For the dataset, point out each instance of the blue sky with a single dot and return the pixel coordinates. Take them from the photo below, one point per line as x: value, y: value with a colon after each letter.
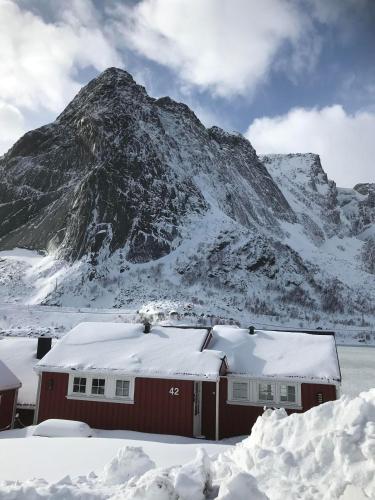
x: 292, y: 75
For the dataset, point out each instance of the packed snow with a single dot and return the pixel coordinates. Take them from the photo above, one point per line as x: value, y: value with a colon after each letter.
x: 125, y: 348
x: 326, y: 453
x: 277, y: 354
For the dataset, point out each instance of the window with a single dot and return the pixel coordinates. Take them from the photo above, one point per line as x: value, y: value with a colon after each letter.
x: 319, y: 398
x: 240, y: 391
x: 122, y: 388
x: 287, y: 393
x: 98, y: 385
x: 266, y: 392
x: 79, y: 385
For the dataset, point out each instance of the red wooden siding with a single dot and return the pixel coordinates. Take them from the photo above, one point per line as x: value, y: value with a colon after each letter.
x: 309, y: 394
x: 154, y: 409
x: 236, y: 420
x: 7, y: 408
x: 157, y: 411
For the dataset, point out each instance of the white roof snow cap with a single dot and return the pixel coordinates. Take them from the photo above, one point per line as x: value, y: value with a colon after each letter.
x: 165, y: 352
x: 7, y: 378
x: 274, y: 354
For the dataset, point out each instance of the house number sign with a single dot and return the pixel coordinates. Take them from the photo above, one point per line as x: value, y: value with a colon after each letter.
x: 174, y: 391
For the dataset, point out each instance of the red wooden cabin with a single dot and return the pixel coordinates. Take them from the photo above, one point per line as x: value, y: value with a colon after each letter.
x: 9, y: 385
x: 183, y: 381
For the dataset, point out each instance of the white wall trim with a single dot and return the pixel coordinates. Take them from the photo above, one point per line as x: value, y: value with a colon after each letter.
x: 109, y: 395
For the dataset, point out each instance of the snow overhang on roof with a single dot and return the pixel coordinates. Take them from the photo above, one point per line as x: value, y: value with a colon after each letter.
x: 277, y: 354
x: 8, y: 380
x: 124, y: 348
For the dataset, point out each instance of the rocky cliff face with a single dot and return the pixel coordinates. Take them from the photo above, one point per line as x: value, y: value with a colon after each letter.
x: 146, y: 204
x: 120, y: 169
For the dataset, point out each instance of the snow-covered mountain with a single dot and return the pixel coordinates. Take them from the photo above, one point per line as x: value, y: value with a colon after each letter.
x: 139, y: 204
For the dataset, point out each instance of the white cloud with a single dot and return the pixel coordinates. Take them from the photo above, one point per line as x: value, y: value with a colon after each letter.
x: 228, y: 46
x: 12, y: 125
x: 39, y: 60
x: 345, y: 142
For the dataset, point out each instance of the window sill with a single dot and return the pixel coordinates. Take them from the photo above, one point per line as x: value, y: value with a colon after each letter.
x: 268, y: 404
x: 100, y: 399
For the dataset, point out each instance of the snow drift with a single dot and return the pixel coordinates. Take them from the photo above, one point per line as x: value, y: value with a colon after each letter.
x: 325, y: 453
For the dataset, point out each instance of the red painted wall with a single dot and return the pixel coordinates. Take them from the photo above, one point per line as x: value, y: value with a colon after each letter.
x: 236, y: 420
x: 7, y: 407
x: 309, y: 394
x: 154, y: 410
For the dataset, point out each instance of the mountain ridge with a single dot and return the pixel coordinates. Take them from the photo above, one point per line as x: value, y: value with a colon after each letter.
x: 143, y: 201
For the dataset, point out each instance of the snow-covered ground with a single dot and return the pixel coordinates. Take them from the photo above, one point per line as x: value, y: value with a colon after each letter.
x: 326, y: 453
x: 80, y: 456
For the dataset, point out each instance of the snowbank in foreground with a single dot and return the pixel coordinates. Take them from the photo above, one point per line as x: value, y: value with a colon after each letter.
x: 312, y: 455
x: 326, y: 453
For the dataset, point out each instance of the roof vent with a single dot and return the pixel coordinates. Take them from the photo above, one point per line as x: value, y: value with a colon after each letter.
x: 251, y: 330
x: 147, y: 328
x: 44, y: 346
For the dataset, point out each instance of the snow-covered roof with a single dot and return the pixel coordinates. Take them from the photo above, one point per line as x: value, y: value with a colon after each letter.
x: 19, y: 354
x: 124, y: 348
x: 269, y: 354
x: 7, y: 378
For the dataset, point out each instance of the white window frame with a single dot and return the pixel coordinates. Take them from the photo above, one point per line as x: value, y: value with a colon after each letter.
x: 287, y: 385
x: 253, y: 393
x: 273, y: 390
x: 246, y: 382
x: 109, y: 388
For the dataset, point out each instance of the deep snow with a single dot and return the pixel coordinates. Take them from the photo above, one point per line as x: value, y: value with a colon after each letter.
x: 326, y: 453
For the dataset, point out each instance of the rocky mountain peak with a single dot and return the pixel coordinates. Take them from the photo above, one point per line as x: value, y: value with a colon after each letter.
x: 119, y: 169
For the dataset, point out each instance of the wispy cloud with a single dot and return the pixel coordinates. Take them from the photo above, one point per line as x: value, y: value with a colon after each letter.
x: 227, y: 46
x: 40, y: 60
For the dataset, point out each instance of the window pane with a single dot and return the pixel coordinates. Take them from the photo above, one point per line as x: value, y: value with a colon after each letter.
x: 122, y: 388
x: 265, y: 392
x: 98, y: 385
x: 288, y: 393
x: 79, y: 384
x: 239, y: 390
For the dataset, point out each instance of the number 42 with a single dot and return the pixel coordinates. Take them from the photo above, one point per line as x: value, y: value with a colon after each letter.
x: 174, y: 391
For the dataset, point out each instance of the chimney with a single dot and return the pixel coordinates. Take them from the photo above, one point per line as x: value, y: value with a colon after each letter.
x: 251, y: 330
x: 147, y: 327
x: 44, y: 346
